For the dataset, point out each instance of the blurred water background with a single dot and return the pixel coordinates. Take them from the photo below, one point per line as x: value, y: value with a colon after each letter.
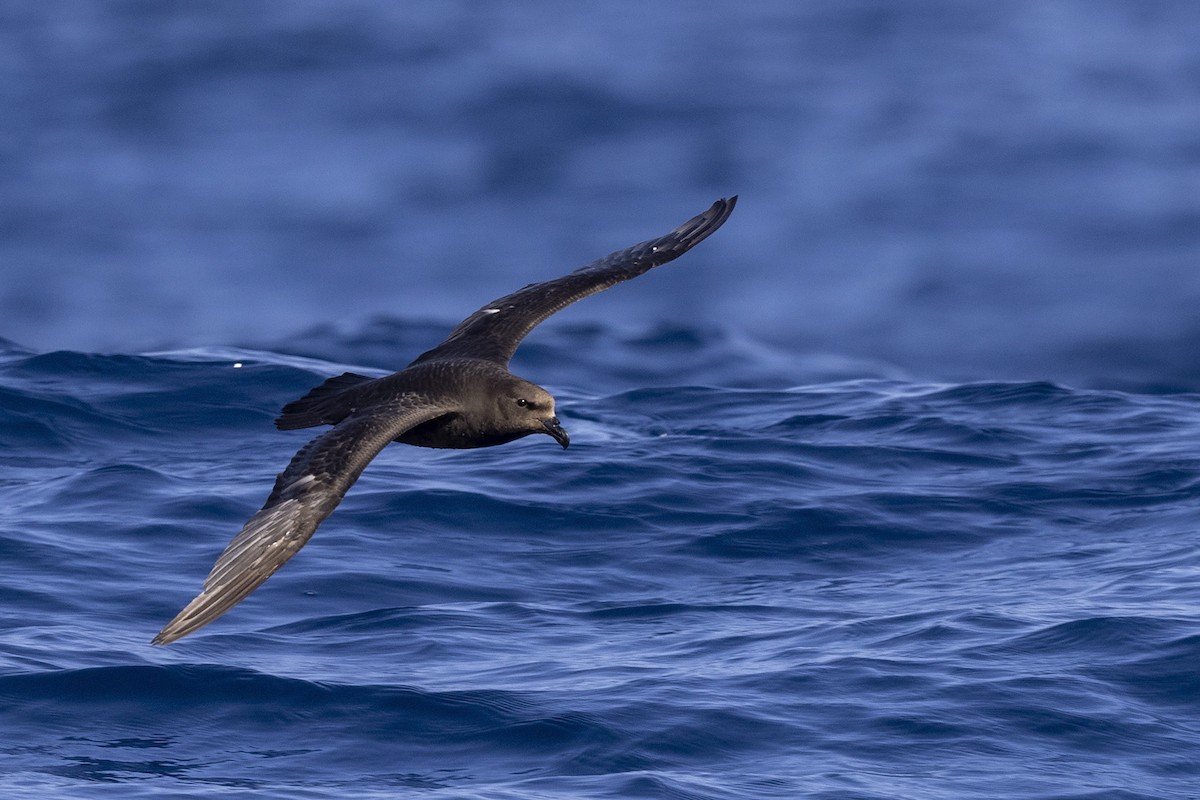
x: 887, y: 490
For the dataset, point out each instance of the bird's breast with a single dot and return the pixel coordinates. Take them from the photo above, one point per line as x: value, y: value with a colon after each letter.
x: 454, y: 431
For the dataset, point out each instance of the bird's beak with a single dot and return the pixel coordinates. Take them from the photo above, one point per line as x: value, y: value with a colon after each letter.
x: 554, y: 429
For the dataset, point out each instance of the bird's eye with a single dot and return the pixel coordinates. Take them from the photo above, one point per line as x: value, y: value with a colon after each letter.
x: 522, y: 402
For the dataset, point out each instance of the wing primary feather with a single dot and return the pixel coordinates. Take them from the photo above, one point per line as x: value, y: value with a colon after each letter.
x: 496, y: 330
x: 305, y: 494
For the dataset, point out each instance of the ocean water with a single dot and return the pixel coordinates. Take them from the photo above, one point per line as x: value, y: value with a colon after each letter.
x: 889, y: 490
x: 856, y: 586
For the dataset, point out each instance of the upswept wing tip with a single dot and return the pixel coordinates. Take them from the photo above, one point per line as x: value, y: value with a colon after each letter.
x: 701, y: 226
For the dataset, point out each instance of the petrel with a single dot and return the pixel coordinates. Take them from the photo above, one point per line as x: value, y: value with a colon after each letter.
x: 460, y: 394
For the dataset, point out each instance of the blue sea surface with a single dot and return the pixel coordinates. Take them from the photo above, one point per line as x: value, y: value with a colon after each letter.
x: 889, y: 490
x: 728, y: 587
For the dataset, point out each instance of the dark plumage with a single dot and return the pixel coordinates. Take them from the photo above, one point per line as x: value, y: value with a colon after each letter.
x: 459, y: 394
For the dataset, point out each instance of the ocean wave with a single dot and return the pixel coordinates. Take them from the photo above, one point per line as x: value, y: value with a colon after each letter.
x: 713, y: 589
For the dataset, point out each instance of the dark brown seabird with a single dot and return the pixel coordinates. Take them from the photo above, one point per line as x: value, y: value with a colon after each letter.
x: 459, y: 394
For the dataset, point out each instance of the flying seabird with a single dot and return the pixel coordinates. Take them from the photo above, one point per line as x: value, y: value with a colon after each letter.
x: 460, y: 394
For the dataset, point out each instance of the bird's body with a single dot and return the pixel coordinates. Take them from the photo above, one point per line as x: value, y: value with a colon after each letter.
x: 460, y: 394
x: 470, y: 386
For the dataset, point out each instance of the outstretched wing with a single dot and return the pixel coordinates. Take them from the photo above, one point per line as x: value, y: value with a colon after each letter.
x: 494, y: 331
x: 305, y: 494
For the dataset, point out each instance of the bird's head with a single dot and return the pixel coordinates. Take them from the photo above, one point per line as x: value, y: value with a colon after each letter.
x: 525, y: 408
x: 528, y: 408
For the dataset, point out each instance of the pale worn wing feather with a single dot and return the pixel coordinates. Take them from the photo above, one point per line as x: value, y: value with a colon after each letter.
x: 304, y: 495
x: 495, y: 331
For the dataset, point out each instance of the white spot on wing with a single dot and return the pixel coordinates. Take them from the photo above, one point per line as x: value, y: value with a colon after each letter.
x: 490, y: 311
x: 299, y: 484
